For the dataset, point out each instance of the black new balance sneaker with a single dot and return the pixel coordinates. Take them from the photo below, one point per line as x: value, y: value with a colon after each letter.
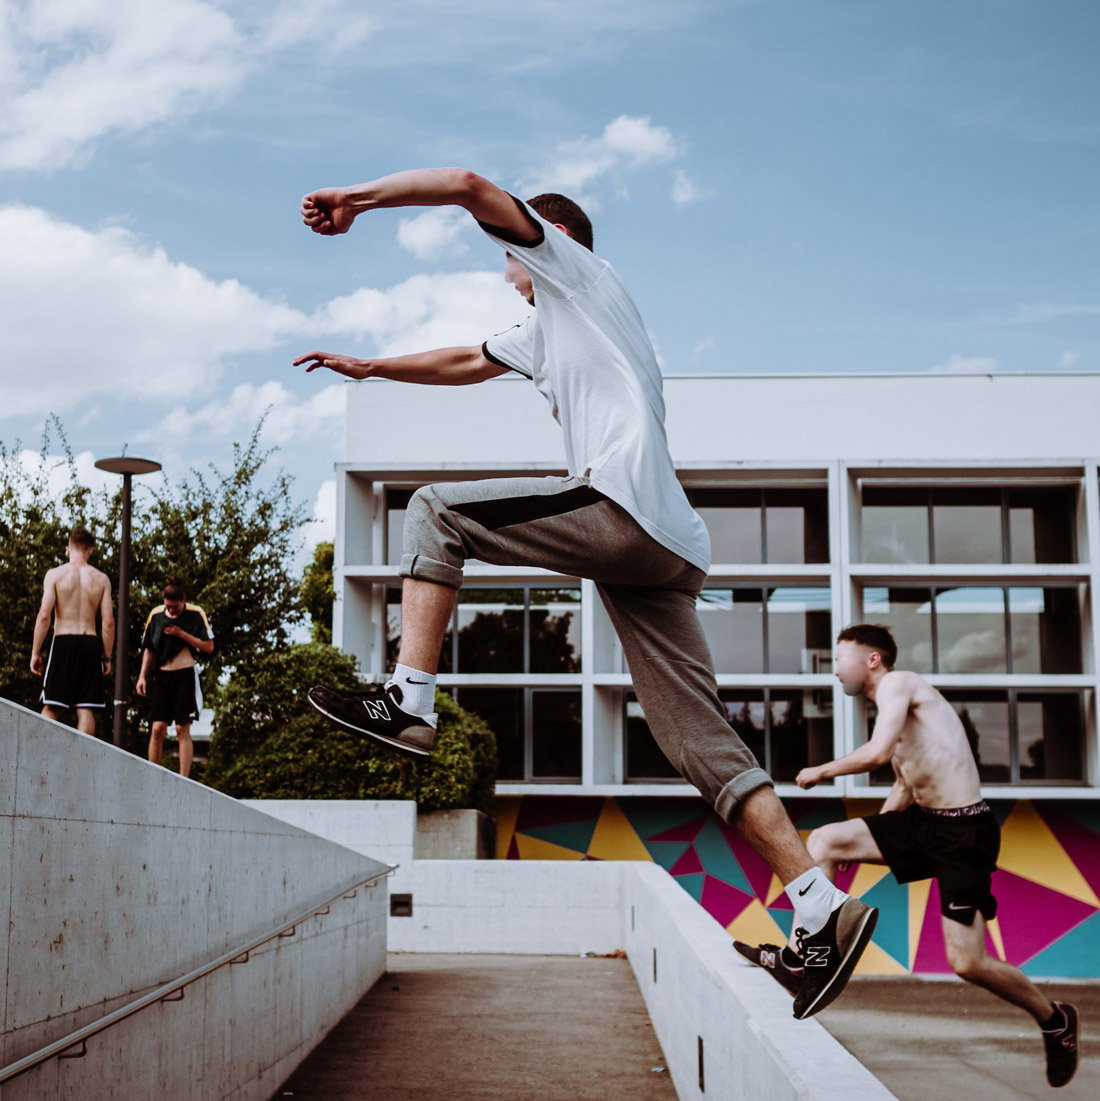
x: 1061, y: 1045
x: 829, y: 956
x: 375, y: 713
x: 770, y: 957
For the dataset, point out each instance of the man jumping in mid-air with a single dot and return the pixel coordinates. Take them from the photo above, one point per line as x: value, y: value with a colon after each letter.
x: 620, y: 518
x: 934, y: 823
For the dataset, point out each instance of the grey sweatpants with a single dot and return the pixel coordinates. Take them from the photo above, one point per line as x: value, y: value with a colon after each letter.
x: 563, y: 524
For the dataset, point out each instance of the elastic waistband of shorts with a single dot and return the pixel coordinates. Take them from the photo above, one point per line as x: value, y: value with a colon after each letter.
x: 980, y: 807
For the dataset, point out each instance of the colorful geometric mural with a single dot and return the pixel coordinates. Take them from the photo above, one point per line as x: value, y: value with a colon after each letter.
x: 1047, y: 883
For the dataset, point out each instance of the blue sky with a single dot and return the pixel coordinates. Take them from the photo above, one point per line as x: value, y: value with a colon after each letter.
x: 786, y: 185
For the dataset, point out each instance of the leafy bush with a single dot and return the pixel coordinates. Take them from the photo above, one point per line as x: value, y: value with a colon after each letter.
x: 268, y: 743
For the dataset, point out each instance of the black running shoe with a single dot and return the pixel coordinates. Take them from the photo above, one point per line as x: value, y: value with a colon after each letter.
x: 830, y: 955
x: 770, y: 957
x: 1061, y: 1047
x: 375, y: 713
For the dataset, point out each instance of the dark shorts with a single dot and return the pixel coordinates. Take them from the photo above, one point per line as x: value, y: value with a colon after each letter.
x: 171, y: 696
x: 74, y: 672
x: 959, y: 851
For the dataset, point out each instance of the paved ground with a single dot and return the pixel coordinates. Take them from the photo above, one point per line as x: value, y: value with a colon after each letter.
x: 491, y: 1028
x: 927, y: 1040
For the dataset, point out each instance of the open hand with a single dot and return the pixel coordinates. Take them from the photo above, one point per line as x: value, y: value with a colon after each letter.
x: 328, y: 211
x: 342, y: 365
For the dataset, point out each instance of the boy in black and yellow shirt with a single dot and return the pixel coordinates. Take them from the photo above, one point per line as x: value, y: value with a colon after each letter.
x: 174, y: 632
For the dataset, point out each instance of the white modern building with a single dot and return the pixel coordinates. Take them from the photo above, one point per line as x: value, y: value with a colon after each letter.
x: 963, y: 510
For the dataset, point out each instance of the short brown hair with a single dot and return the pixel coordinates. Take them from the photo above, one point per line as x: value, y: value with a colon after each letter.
x: 82, y: 539
x: 562, y: 211
x: 173, y: 589
x: 875, y: 637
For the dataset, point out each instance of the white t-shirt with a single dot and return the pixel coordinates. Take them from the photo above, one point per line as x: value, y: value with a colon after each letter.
x: 589, y: 355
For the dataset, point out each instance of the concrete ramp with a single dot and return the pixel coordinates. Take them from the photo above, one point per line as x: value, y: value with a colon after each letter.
x: 116, y: 877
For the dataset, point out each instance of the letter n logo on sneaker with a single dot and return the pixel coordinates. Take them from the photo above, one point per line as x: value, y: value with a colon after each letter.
x: 767, y: 959
x: 816, y: 956
x: 376, y: 709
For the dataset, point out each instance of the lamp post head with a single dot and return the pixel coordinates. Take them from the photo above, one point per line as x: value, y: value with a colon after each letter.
x: 127, y: 464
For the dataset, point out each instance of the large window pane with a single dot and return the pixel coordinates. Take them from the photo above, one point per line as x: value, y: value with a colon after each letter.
x: 1046, y: 630
x: 555, y: 735
x: 644, y: 759
x: 490, y: 631
x: 1041, y: 524
x: 733, y: 518
x: 971, y: 628
x: 746, y: 711
x: 985, y: 718
x: 733, y: 622
x: 796, y: 525
x: 1052, y: 736
x: 555, y: 625
x: 908, y: 614
x: 502, y: 709
x: 966, y: 525
x: 801, y: 730
x: 799, y: 630
x: 895, y: 525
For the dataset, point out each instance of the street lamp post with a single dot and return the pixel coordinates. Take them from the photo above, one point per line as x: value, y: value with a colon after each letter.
x: 127, y: 466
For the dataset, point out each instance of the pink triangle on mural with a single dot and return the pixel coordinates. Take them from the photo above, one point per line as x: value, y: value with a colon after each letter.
x: 845, y: 873
x: 1082, y: 845
x: 931, y: 956
x: 755, y: 868
x: 722, y: 901
x: 686, y: 831
x: 688, y: 864
x: 1032, y: 917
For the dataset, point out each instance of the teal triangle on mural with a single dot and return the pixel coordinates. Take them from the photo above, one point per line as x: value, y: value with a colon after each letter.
x: 718, y: 858
x: 892, y: 930
x: 693, y: 884
x: 651, y: 815
x: 667, y: 853
x: 1071, y: 956
x: 570, y: 835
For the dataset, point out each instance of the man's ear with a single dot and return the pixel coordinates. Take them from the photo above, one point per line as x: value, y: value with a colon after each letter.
x: 874, y: 659
x: 564, y: 229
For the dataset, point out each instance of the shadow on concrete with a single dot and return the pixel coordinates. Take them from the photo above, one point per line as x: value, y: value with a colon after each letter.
x: 494, y: 1028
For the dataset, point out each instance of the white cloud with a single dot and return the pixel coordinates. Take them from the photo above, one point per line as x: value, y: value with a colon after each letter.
x: 626, y: 142
x: 702, y: 347
x: 428, y: 235
x: 88, y: 313
x: 426, y: 311
x: 956, y: 364
x: 323, y: 524
x: 1069, y: 358
x: 685, y: 190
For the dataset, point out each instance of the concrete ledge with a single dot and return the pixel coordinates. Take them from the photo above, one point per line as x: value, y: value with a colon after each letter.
x: 724, y: 1024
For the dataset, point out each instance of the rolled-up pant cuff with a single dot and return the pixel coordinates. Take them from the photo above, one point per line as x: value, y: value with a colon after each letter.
x: 736, y: 790
x: 422, y: 568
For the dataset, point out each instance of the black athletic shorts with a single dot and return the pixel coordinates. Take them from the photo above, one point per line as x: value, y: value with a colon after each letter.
x: 74, y: 672
x: 957, y: 848
x: 171, y: 696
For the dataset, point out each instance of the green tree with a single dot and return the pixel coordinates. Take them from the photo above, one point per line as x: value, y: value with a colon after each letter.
x: 318, y: 593
x: 269, y: 743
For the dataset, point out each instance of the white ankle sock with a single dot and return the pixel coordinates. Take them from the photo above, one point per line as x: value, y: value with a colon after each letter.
x: 417, y: 692
x: 814, y: 898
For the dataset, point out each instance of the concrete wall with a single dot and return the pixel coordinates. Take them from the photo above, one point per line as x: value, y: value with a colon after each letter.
x: 118, y: 876
x: 698, y: 990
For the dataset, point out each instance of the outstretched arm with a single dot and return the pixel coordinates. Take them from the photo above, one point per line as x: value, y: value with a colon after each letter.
x: 894, y: 696
x: 441, y: 367
x: 332, y: 210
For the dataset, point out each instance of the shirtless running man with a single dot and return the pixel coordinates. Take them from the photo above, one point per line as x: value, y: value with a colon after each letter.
x: 934, y: 823
x: 79, y: 658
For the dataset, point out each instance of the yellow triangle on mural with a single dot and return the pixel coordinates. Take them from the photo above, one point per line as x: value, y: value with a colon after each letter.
x: 775, y: 889
x: 506, y: 813
x: 754, y: 925
x: 876, y: 961
x: 918, y: 903
x: 866, y: 877
x: 1029, y: 849
x: 614, y: 837
x: 534, y: 848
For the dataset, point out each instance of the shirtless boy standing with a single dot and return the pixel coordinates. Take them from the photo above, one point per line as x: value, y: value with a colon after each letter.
x: 79, y: 658
x: 934, y: 824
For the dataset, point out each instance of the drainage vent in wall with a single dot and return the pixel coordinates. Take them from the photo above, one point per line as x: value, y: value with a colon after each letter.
x: 401, y: 905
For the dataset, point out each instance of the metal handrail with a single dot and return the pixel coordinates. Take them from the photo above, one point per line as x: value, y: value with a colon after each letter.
x: 165, y: 991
